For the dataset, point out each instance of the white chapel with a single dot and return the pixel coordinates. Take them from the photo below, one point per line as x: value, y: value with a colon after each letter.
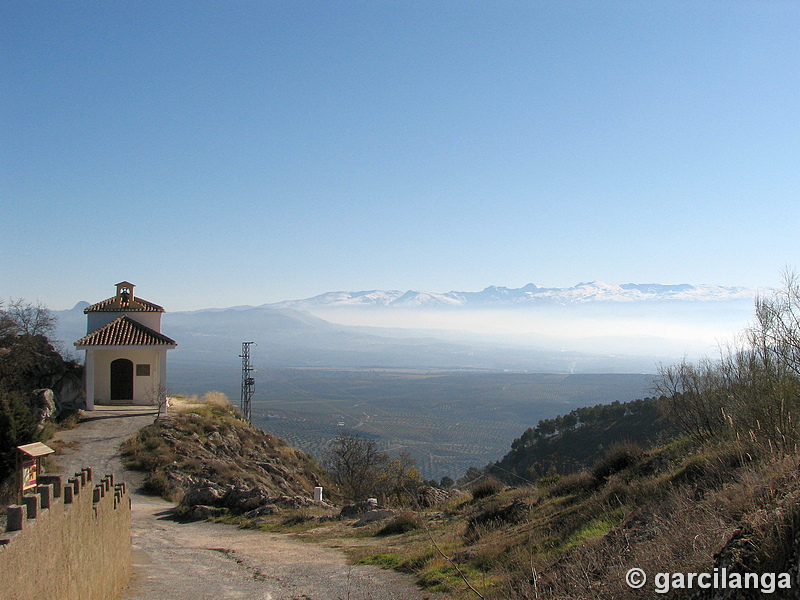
x: 126, y: 353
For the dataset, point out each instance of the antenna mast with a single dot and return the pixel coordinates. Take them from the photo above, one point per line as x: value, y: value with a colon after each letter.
x: 248, y: 382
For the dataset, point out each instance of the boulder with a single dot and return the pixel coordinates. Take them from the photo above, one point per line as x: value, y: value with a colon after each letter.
x: 374, y: 515
x: 43, y: 404
x: 70, y: 392
x: 246, y: 499
x: 205, y: 492
x: 430, y: 496
x: 201, y: 512
x: 351, y: 511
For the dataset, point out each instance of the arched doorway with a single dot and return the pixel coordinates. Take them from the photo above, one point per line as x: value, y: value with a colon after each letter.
x: 122, y: 379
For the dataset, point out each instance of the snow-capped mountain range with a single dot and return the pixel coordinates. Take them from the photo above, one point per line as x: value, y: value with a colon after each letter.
x: 501, y: 297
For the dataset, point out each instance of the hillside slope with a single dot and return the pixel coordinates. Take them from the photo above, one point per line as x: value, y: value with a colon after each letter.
x: 682, y: 507
x: 578, y: 439
x: 205, y: 456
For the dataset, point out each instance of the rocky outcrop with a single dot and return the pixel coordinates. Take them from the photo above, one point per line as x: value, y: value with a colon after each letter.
x: 67, y: 394
x: 204, y: 499
x: 371, y: 516
x: 43, y: 404
x: 213, y: 462
x: 428, y: 496
x: 70, y: 391
x: 353, y: 511
x: 30, y: 362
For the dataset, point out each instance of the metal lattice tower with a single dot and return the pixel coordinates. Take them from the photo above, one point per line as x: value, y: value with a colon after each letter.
x: 248, y: 382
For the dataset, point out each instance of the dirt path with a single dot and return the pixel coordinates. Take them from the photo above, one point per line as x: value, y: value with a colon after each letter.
x: 95, y: 442
x: 205, y: 561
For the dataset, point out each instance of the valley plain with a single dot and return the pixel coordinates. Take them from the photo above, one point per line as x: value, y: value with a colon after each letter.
x: 447, y: 420
x: 451, y: 378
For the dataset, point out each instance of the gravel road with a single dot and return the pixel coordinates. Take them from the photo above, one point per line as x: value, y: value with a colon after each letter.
x: 211, y: 561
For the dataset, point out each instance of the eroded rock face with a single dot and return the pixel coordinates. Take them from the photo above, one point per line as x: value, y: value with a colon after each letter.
x: 70, y: 392
x: 201, y: 513
x: 67, y: 392
x: 204, y: 499
x: 243, y: 499
x: 205, y: 493
x: 262, y: 511
x: 43, y: 404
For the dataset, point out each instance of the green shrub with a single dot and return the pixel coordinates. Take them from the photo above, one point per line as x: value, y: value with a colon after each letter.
x: 402, y: 523
x: 619, y: 457
x: 575, y: 483
x: 495, y: 516
x: 297, y: 518
x: 592, y: 529
x: 156, y: 484
x: 708, y: 471
x: 147, y: 450
x: 18, y: 426
x: 485, y: 488
x: 548, y: 481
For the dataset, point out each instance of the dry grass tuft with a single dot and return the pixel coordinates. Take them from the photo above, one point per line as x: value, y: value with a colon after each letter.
x: 182, y: 404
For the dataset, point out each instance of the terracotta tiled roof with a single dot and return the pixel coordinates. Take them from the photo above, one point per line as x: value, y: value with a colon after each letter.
x: 113, y: 304
x: 124, y: 331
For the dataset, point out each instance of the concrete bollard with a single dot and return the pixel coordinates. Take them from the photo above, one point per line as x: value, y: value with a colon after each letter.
x: 68, y: 491
x: 32, y: 504
x: 55, y: 481
x: 45, y: 495
x: 15, y: 517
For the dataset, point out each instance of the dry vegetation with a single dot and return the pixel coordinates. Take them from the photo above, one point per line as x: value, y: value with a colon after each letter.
x: 185, y: 404
x: 205, y: 441
x: 682, y: 507
x: 724, y: 494
x: 687, y: 506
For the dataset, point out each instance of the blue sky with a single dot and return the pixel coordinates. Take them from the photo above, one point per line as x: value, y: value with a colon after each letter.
x: 226, y: 153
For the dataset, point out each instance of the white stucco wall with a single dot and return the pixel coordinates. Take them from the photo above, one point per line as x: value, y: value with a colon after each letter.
x: 144, y: 387
x: 95, y: 320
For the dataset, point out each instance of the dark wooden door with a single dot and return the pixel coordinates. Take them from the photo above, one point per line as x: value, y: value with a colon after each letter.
x: 121, y: 379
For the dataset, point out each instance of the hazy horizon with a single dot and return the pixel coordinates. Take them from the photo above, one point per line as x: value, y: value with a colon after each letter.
x: 652, y: 331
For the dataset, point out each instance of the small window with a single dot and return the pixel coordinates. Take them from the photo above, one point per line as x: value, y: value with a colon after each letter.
x: 143, y: 370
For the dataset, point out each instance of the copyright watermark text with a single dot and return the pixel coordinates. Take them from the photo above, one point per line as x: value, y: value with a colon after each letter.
x: 718, y: 579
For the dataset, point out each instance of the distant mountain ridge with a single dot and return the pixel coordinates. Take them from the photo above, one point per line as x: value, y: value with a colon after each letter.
x: 592, y: 327
x: 501, y: 297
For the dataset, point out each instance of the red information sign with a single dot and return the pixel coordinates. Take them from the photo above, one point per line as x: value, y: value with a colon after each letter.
x: 29, y: 474
x: 29, y: 459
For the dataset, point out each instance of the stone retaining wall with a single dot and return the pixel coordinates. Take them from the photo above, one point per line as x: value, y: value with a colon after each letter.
x: 70, y: 540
